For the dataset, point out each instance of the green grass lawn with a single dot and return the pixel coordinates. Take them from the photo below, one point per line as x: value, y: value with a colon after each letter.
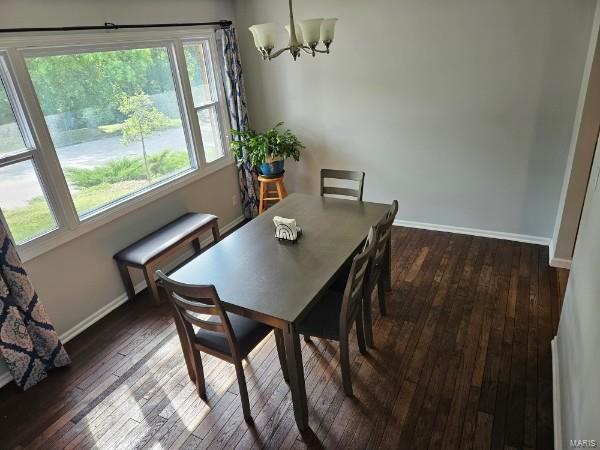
x: 29, y: 221
x: 92, y: 198
x: 93, y: 188
x: 35, y: 219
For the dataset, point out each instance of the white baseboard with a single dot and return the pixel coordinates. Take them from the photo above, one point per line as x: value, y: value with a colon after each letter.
x: 561, y: 263
x: 475, y: 232
x: 556, y: 398
x: 65, y: 337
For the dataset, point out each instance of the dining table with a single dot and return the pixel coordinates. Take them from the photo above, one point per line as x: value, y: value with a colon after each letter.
x: 277, y: 282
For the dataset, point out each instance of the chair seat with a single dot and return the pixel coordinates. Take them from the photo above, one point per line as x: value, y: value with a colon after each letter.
x: 323, y: 320
x: 162, y: 239
x: 248, y: 334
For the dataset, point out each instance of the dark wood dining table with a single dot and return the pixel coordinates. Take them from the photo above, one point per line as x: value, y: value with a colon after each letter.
x: 277, y: 282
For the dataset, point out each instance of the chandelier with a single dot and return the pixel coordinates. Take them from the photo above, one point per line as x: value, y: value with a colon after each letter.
x: 304, y: 36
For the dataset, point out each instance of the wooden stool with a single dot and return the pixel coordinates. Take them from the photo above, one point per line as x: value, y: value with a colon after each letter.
x: 279, y: 193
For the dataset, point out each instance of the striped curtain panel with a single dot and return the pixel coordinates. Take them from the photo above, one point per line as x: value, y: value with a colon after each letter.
x: 238, y: 114
x: 28, y: 342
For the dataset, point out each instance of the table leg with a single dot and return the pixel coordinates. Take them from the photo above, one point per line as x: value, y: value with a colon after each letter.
x: 296, y: 375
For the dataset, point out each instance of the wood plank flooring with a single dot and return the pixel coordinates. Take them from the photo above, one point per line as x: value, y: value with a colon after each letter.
x: 462, y: 360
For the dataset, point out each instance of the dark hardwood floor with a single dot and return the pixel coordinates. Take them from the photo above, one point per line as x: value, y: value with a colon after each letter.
x: 462, y: 361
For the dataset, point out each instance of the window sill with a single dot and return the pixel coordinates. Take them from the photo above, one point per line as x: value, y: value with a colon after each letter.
x: 56, y: 238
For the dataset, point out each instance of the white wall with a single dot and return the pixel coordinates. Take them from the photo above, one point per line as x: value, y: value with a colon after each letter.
x: 58, y: 13
x: 79, y: 278
x: 461, y: 110
x: 578, y: 352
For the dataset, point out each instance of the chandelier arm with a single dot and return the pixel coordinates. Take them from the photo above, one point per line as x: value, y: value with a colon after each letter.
x: 279, y: 52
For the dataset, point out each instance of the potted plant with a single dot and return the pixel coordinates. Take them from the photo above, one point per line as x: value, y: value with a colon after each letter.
x: 267, y: 151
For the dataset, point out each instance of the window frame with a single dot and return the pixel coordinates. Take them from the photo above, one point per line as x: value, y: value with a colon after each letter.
x: 218, y: 105
x: 192, y: 146
x: 69, y: 225
x: 29, y: 153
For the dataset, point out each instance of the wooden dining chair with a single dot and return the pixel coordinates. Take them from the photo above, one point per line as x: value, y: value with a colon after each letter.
x: 375, y: 275
x: 335, y: 313
x: 224, y: 335
x: 351, y: 175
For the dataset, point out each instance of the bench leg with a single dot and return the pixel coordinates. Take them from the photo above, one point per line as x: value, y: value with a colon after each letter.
x: 197, y: 246
x: 151, y: 283
x: 215, y: 232
x: 126, y: 277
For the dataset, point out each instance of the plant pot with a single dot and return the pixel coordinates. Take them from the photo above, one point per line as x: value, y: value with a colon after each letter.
x: 272, y: 168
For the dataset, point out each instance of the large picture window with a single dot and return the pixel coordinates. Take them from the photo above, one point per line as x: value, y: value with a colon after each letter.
x: 116, y: 122
x: 114, y: 119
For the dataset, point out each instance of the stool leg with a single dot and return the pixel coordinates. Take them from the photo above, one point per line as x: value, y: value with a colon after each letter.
x: 280, y: 190
x: 261, y: 202
x: 283, y: 189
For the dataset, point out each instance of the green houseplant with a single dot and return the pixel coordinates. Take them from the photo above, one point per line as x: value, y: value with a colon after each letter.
x: 266, y: 151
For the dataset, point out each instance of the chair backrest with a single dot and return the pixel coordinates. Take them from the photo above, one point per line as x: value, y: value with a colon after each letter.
x: 383, y: 230
x: 189, y: 301
x: 389, y: 217
x: 354, y: 291
x: 352, y: 175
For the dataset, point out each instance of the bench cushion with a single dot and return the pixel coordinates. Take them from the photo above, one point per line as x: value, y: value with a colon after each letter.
x: 162, y: 239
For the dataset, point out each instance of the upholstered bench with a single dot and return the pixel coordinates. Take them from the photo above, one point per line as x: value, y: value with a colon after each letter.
x: 155, y: 249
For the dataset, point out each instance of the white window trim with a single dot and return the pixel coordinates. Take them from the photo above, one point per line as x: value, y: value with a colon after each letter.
x: 69, y: 225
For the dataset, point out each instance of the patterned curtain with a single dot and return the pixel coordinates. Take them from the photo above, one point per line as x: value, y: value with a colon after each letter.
x: 238, y: 114
x: 28, y: 343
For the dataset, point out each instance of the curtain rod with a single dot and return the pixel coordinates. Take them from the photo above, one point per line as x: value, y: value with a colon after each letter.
x: 114, y: 26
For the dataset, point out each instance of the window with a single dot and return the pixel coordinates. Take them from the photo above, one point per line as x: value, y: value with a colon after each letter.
x: 22, y: 201
x: 204, y: 94
x: 119, y: 119
x: 114, y: 119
